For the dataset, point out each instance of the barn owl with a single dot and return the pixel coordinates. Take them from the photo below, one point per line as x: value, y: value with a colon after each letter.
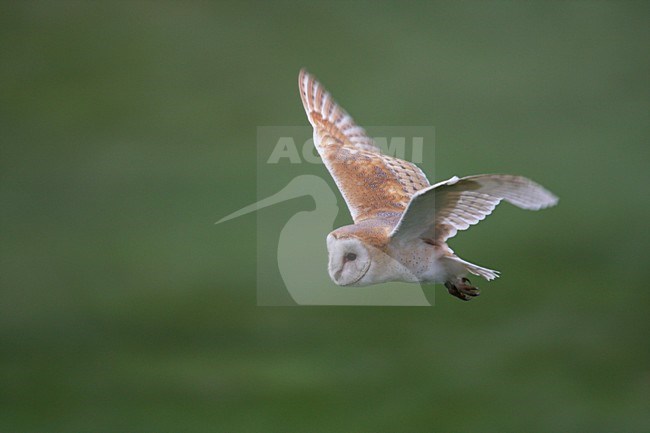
x: 401, y: 222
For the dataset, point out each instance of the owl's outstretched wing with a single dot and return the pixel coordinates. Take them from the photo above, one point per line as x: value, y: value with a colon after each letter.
x: 372, y: 184
x: 437, y: 213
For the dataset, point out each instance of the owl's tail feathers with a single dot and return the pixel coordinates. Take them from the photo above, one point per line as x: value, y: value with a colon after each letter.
x: 488, y: 274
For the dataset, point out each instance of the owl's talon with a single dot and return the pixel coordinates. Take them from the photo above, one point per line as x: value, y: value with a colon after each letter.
x: 462, y: 289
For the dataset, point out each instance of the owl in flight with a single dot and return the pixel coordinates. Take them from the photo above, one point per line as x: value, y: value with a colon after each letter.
x: 401, y: 222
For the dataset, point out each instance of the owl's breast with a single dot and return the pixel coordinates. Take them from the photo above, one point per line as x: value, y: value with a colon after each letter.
x: 421, y: 259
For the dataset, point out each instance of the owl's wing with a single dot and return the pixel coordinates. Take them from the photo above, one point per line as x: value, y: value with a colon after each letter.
x: 372, y: 184
x: 437, y: 213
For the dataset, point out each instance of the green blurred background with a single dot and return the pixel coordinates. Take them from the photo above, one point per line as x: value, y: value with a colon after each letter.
x: 128, y: 128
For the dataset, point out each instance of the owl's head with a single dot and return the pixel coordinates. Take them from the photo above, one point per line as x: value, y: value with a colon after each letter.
x: 349, y: 260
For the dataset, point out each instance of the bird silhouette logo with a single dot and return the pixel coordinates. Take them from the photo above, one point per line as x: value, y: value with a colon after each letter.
x: 301, y: 251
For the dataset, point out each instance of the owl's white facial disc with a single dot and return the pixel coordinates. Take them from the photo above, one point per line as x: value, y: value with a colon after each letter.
x: 349, y: 260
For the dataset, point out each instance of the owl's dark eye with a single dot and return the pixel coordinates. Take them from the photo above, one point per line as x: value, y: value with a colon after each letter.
x: 349, y: 257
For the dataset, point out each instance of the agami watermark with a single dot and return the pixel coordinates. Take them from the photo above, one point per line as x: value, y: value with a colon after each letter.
x: 298, y: 204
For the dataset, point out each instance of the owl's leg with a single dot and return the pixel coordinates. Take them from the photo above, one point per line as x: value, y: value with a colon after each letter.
x: 462, y: 289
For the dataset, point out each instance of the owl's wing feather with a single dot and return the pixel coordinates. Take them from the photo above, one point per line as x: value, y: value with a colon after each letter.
x: 437, y: 213
x: 372, y: 184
